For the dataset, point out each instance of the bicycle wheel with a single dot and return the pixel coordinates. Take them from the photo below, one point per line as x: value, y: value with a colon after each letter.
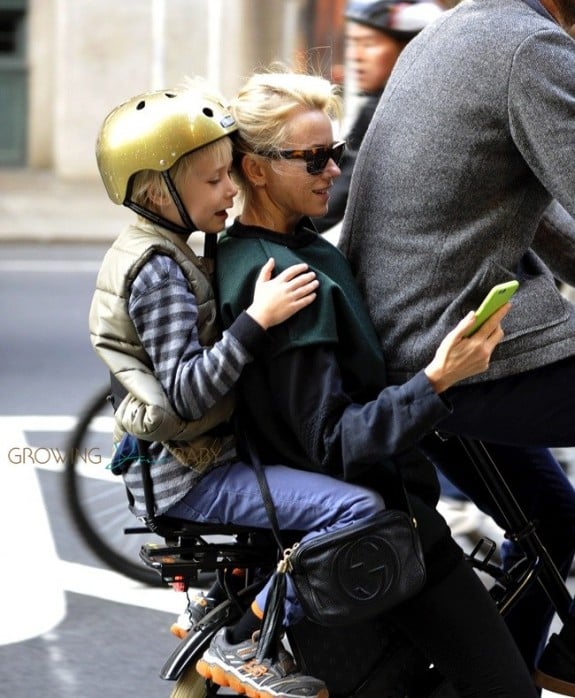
x: 190, y: 685
x: 97, y: 499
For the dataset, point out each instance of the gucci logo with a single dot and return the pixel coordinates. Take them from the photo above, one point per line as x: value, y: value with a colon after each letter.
x: 366, y: 568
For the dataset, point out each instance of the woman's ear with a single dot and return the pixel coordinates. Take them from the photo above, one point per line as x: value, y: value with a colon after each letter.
x: 254, y: 169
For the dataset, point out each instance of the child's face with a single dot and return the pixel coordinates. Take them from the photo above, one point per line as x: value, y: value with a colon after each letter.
x: 206, y: 190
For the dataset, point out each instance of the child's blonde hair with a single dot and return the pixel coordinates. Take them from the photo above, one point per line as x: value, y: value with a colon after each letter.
x: 149, y: 188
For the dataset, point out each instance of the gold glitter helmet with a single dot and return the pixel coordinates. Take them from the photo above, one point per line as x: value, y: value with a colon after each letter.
x: 153, y: 130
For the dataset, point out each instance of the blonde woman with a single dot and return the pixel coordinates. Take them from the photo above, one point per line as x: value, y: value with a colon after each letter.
x: 317, y: 398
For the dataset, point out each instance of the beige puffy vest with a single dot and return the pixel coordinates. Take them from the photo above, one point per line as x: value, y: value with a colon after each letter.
x: 146, y: 411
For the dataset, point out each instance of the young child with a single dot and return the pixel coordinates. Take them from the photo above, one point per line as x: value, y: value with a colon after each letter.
x: 168, y: 155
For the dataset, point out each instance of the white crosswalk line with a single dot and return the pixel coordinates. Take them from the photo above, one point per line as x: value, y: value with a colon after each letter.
x: 34, y: 580
x: 54, y: 266
x: 112, y: 586
x: 29, y: 569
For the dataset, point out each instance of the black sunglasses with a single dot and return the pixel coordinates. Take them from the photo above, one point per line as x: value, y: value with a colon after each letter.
x: 316, y: 158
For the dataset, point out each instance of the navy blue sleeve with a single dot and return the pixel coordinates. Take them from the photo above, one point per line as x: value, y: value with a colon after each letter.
x: 341, y: 437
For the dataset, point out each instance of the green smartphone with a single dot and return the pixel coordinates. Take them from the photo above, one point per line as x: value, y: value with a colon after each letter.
x: 497, y: 297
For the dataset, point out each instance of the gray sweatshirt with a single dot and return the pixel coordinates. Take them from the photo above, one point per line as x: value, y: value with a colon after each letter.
x: 465, y: 179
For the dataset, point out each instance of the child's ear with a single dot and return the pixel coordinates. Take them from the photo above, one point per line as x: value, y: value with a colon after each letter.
x: 254, y: 170
x: 156, y: 196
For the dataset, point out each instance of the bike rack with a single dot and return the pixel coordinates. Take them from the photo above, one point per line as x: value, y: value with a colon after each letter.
x: 187, y: 550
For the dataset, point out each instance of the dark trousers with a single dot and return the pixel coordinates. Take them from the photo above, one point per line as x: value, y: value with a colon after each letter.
x: 516, y: 418
x: 471, y: 659
x: 535, y: 408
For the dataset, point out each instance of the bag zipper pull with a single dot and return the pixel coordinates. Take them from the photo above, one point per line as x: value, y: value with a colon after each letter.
x: 284, y: 565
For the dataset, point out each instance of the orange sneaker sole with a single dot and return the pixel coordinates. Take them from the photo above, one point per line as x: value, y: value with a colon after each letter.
x: 226, y: 680
x: 178, y: 631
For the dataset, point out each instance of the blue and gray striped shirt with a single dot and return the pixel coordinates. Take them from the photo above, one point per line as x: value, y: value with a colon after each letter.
x: 165, y: 314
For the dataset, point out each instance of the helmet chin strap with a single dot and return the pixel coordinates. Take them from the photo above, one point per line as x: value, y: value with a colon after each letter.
x: 189, y: 226
x: 184, y: 215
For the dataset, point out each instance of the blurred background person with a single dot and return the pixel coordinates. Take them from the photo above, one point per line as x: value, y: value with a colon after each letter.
x: 376, y: 32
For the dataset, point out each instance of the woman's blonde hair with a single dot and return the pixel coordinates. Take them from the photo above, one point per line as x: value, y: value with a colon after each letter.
x: 265, y: 103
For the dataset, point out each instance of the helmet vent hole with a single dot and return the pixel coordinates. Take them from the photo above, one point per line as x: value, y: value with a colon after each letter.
x: 141, y: 104
x: 208, y: 112
x: 170, y: 95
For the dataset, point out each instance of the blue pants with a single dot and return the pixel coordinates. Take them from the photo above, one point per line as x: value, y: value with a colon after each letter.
x: 304, y: 501
x: 516, y: 418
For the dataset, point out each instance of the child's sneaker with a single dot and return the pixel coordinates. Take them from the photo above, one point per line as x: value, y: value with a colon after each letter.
x: 198, y: 606
x: 235, y: 666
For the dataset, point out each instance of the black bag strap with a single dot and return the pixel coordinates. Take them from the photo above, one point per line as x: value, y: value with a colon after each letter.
x: 268, y: 499
x: 266, y: 494
x: 272, y: 626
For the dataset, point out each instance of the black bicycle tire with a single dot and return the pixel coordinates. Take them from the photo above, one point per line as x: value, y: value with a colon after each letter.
x: 95, y: 541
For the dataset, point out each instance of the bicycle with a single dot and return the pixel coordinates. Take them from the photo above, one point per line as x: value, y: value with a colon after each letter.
x: 98, y: 504
x: 97, y: 499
